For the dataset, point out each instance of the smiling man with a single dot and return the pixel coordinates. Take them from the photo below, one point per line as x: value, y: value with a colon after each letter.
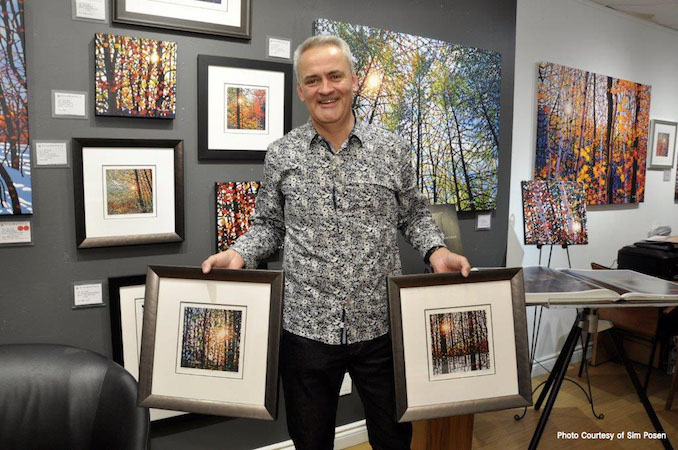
x: 336, y: 192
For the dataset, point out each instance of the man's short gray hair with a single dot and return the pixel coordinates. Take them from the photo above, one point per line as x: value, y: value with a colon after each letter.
x: 319, y: 41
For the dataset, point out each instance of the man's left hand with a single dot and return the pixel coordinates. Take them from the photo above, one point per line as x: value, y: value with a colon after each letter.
x: 443, y: 260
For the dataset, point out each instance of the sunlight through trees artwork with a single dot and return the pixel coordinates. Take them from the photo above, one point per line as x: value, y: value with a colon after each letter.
x: 593, y: 129
x: 129, y: 191
x: 16, y: 195
x: 460, y: 342
x: 554, y: 212
x: 441, y: 98
x: 235, y: 208
x: 135, y: 77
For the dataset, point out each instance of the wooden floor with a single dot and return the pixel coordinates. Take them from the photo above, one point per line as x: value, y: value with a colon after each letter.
x: 614, y: 397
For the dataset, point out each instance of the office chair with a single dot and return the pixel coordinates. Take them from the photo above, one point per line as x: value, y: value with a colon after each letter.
x: 62, y: 397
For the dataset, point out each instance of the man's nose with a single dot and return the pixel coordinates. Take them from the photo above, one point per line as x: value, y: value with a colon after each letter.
x: 325, y: 87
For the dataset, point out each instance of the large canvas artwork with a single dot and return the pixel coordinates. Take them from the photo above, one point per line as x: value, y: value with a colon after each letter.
x: 235, y: 208
x: 16, y: 195
x: 554, y: 212
x: 593, y: 129
x: 135, y: 77
x: 441, y: 98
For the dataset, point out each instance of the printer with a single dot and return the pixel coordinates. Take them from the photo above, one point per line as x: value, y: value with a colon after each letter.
x: 656, y: 258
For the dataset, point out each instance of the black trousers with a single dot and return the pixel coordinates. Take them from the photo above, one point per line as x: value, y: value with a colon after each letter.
x: 312, y: 373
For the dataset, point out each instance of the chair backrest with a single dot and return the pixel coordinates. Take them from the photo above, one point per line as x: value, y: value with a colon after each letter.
x: 62, y: 397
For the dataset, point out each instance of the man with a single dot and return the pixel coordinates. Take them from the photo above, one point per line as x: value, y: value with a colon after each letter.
x: 337, y: 192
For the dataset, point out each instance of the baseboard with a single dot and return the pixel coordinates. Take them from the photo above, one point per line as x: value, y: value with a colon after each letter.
x: 344, y: 436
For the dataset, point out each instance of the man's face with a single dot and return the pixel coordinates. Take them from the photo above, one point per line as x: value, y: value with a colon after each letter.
x: 326, y: 85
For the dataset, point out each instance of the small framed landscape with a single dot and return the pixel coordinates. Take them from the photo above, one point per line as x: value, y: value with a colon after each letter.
x: 662, y: 144
x: 128, y: 192
x: 243, y: 106
x: 459, y: 344
x: 219, y: 17
x: 210, y: 341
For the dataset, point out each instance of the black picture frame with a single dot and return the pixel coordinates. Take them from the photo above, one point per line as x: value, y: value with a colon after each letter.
x: 122, y: 14
x: 85, y: 240
x: 284, y: 117
x: 441, y: 391
x: 192, y: 279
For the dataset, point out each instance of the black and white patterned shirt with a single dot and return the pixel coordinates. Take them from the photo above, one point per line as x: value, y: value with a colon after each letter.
x: 338, y: 214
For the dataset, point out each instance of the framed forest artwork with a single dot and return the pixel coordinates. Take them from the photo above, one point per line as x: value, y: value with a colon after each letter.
x: 128, y: 191
x: 218, y: 17
x: 554, y: 212
x: 126, y: 299
x: 16, y: 195
x: 662, y: 144
x: 235, y: 202
x: 593, y: 129
x: 243, y: 106
x: 442, y: 98
x: 459, y: 344
x: 135, y: 77
x: 210, y: 341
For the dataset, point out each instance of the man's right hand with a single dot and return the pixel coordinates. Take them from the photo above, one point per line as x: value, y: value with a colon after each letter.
x: 230, y: 259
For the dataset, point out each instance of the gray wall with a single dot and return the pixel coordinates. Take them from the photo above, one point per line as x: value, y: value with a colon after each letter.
x: 35, y: 288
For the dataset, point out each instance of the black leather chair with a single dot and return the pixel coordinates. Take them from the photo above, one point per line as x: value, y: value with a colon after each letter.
x: 61, y: 397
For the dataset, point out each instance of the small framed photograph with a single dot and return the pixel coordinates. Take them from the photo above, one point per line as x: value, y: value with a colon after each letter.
x: 662, y: 144
x: 126, y: 299
x: 210, y: 341
x: 459, y: 344
x: 243, y: 106
x: 219, y: 17
x: 128, y: 191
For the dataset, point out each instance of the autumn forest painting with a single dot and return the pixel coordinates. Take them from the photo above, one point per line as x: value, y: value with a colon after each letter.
x: 16, y: 195
x: 592, y: 129
x: 235, y: 207
x: 135, y: 77
x: 129, y: 191
x: 246, y: 108
x: 441, y: 98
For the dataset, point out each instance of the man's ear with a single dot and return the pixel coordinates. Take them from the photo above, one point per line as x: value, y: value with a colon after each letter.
x: 355, y: 83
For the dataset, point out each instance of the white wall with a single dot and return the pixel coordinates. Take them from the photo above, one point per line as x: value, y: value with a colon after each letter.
x: 581, y: 34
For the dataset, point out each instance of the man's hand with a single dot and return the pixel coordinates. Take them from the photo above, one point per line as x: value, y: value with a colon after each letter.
x: 443, y: 260
x: 230, y: 259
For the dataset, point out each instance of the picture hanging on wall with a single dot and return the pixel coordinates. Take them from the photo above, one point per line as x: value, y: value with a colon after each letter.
x: 474, y: 334
x: 126, y: 299
x: 243, y: 106
x: 220, y: 17
x: 235, y: 208
x: 16, y: 195
x: 128, y: 191
x: 662, y: 144
x: 442, y: 98
x: 593, y: 129
x: 135, y: 77
x: 554, y: 212
x: 210, y: 342
x: 675, y: 195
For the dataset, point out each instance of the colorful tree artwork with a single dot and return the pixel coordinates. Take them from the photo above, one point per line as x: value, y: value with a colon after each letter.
x: 211, y: 338
x: 129, y: 191
x: 593, y: 129
x: 459, y: 342
x: 554, y: 212
x: 246, y: 108
x: 16, y: 196
x: 441, y: 98
x: 675, y: 195
x: 135, y: 77
x: 235, y: 209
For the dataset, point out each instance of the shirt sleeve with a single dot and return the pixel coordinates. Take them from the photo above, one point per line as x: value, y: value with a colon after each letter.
x: 268, y: 228
x: 414, y: 217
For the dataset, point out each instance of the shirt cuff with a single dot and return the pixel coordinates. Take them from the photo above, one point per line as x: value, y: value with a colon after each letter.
x: 427, y: 257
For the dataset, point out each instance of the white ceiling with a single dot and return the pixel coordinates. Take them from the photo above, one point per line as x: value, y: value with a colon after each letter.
x: 661, y: 12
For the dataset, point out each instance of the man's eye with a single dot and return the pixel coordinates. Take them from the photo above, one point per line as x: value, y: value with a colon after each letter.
x: 311, y: 82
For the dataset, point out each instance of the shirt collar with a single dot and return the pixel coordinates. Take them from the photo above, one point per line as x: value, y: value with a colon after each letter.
x: 311, y: 135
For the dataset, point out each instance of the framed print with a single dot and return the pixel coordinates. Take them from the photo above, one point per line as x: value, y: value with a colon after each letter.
x: 219, y: 17
x: 459, y: 344
x: 135, y: 77
x: 126, y: 299
x: 243, y: 106
x: 128, y: 191
x: 210, y: 341
x: 235, y: 208
x: 662, y: 144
